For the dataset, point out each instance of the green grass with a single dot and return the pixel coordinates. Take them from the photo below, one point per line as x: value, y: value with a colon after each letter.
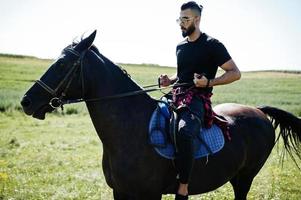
x: 60, y: 157
x: 281, y: 90
x: 50, y: 159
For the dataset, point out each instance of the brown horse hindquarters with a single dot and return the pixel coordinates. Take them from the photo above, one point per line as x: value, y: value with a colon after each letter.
x: 254, y: 128
x: 252, y: 139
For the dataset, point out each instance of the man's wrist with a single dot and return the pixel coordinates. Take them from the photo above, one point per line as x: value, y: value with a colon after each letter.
x: 208, y: 83
x: 172, y: 81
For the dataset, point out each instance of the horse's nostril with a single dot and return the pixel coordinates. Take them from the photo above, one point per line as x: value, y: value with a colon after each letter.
x: 25, y: 102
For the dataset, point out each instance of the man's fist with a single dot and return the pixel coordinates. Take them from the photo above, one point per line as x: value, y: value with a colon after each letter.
x: 164, y: 80
x: 200, y: 80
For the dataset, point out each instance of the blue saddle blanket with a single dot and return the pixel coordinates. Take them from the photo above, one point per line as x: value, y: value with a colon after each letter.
x: 158, y: 136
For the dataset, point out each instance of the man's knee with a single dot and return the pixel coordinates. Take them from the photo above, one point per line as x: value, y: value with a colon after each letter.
x: 189, y: 125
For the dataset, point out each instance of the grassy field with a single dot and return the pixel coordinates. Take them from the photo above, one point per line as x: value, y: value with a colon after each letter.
x: 60, y: 157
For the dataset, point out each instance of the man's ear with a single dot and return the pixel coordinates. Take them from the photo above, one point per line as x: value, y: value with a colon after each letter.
x: 198, y: 20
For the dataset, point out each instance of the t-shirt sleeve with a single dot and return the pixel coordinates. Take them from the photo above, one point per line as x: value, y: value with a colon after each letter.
x: 219, y: 52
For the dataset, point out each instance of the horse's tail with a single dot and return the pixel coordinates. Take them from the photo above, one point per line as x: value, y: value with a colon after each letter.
x: 290, y: 129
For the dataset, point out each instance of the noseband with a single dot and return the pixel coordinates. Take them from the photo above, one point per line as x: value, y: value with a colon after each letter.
x: 57, y: 100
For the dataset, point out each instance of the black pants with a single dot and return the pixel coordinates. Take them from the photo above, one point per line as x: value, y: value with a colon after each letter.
x: 188, y: 128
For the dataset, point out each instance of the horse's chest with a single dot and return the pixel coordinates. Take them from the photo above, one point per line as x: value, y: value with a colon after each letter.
x: 120, y: 173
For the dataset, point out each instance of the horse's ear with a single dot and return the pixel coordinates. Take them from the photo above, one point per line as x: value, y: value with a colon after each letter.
x: 85, y: 43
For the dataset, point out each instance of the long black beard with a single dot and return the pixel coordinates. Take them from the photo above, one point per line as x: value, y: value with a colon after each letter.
x: 188, y: 31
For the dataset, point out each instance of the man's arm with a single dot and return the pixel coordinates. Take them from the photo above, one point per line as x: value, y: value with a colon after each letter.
x: 231, y: 74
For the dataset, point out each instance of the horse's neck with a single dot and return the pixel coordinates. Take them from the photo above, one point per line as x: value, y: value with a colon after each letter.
x: 119, y: 120
x: 119, y: 117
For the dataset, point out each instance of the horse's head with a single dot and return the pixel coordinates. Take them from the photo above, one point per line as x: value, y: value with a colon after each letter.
x: 61, y: 81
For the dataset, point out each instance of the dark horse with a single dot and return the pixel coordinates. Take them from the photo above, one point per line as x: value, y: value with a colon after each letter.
x: 131, y: 166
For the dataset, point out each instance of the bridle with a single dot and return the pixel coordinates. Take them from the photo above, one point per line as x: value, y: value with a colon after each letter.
x: 58, y: 100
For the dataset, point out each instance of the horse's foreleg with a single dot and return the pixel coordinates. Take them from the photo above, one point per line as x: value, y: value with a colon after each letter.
x: 122, y: 196
x: 150, y: 197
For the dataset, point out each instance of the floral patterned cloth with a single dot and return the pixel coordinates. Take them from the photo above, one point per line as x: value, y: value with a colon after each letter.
x: 182, y: 96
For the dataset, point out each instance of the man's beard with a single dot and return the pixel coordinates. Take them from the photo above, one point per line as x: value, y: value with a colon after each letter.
x: 188, y: 31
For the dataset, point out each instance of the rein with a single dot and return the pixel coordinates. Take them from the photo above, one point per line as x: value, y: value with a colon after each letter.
x: 59, y: 101
x: 126, y: 94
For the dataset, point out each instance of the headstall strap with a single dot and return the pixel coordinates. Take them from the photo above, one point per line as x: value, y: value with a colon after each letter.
x: 73, y: 51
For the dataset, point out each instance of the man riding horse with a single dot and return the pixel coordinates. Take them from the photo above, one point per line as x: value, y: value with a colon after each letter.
x: 198, y: 58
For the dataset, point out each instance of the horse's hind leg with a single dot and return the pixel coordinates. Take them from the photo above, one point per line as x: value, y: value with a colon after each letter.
x: 241, y: 185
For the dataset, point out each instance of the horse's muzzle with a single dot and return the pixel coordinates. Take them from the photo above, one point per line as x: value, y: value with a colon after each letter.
x: 26, y: 104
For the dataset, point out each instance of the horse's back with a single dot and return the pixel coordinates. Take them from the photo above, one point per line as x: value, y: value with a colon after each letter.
x: 248, y: 121
x: 232, y: 110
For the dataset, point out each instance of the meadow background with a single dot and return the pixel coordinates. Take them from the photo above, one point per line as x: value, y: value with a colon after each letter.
x: 60, y: 157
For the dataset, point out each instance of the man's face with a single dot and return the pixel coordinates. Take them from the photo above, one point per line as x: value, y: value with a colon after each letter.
x: 187, y: 22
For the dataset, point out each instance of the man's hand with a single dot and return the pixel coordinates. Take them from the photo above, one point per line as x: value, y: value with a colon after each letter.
x: 200, y: 80
x: 164, y: 80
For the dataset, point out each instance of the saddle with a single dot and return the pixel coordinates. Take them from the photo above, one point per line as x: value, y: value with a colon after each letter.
x: 162, y: 133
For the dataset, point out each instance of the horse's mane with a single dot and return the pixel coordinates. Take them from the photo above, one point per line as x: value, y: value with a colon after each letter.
x: 109, y: 64
x: 94, y: 49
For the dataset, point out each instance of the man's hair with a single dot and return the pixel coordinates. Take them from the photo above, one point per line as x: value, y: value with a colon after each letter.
x: 193, y: 6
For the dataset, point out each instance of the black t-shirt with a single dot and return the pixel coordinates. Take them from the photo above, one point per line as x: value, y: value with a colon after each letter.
x: 202, y: 56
